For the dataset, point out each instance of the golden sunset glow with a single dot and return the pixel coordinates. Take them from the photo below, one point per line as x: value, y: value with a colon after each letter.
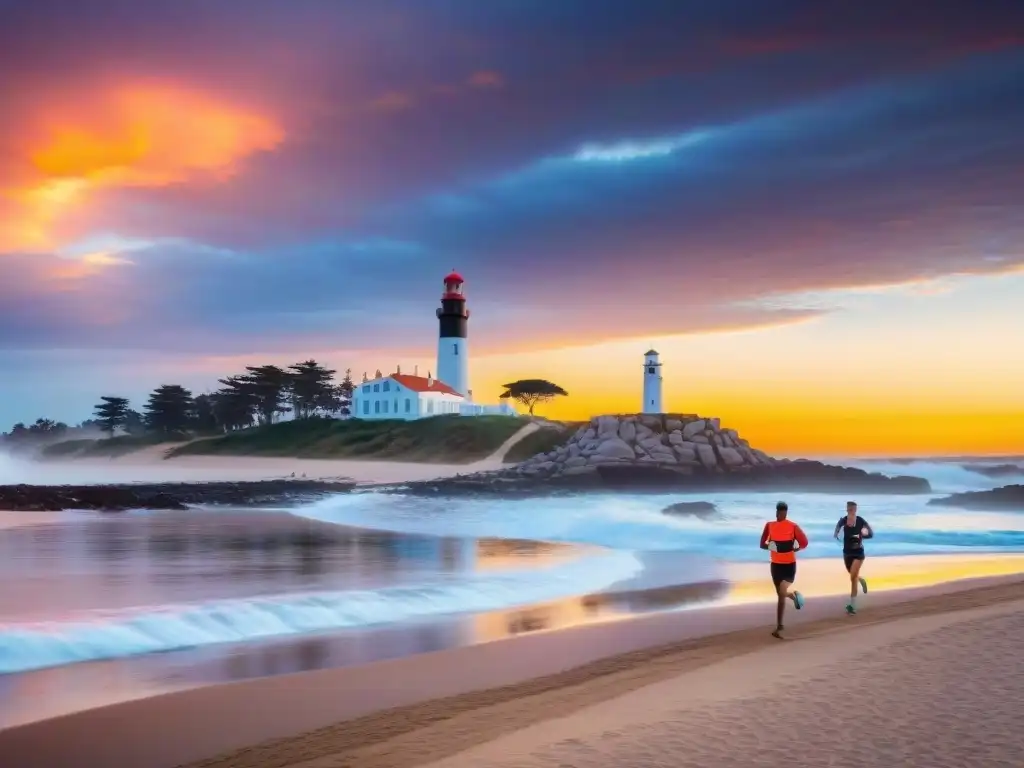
x: 130, y: 137
x: 70, y: 271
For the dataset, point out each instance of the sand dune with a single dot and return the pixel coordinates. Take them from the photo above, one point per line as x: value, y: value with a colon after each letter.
x: 149, y: 465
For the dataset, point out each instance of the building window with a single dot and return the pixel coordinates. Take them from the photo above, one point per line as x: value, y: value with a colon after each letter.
x: 430, y: 406
x: 385, y: 406
x: 376, y: 387
x: 455, y: 348
x: 387, y: 385
x: 650, y: 370
x: 408, y: 405
x: 376, y: 406
x: 366, y: 407
x: 366, y: 387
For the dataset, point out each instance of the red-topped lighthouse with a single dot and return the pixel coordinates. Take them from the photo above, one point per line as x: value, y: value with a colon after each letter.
x: 453, y: 317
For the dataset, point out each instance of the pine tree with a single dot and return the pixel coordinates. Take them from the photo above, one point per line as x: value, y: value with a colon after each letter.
x: 269, y: 386
x: 344, y: 396
x: 311, y: 386
x: 111, y: 413
x: 169, y: 410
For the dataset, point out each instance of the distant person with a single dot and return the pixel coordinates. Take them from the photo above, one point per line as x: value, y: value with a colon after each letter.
x: 782, y: 538
x: 854, y: 529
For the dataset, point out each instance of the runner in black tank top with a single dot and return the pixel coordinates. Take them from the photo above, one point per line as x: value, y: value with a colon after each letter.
x: 854, y: 529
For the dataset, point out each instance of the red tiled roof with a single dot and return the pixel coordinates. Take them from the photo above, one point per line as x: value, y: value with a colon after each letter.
x: 419, y: 384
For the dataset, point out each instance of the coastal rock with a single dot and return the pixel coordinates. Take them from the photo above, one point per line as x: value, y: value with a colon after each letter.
x: 731, y: 457
x: 165, y: 496
x: 706, y: 455
x: 997, y: 470
x: 615, y: 448
x: 698, y: 509
x: 693, y: 428
x: 654, y: 452
x: 1007, y: 498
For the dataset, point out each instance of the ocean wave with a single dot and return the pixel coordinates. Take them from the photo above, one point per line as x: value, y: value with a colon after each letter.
x: 903, y: 524
x: 115, y: 634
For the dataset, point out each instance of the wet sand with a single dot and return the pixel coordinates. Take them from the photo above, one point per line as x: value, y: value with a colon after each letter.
x: 613, y: 694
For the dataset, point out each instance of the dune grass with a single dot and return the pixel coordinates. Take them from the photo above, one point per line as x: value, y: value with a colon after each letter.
x: 441, y: 439
x: 104, y: 447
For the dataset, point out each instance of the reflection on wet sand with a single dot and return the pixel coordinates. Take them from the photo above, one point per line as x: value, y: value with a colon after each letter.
x: 107, y: 561
x: 263, y: 553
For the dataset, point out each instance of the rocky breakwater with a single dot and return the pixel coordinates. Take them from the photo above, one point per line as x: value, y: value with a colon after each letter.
x: 667, y: 452
x: 165, y: 496
x: 1007, y: 498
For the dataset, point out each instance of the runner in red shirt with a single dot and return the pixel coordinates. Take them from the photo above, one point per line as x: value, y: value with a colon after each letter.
x: 782, y: 538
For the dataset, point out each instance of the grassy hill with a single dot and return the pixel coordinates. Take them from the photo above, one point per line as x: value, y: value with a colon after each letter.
x: 107, y: 447
x: 441, y: 439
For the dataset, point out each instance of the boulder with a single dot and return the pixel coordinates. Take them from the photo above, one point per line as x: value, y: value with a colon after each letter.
x: 693, y: 428
x: 627, y: 431
x: 615, y: 448
x: 731, y: 457
x: 699, y: 509
x: 706, y: 455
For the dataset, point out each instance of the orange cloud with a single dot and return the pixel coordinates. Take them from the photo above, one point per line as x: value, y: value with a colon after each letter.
x: 129, y: 137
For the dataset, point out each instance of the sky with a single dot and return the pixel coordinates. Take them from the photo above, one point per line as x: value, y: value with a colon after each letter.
x: 812, y: 208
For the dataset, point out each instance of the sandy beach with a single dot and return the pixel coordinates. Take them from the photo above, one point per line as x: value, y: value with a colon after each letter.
x: 661, y: 690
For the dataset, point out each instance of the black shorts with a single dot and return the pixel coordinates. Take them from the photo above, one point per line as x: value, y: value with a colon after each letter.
x: 783, y: 572
x: 850, y: 557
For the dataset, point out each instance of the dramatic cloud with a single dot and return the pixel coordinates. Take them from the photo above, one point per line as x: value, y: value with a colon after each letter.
x: 225, y: 177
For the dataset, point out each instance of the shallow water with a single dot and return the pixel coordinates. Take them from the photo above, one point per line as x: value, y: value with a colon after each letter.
x: 216, y: 585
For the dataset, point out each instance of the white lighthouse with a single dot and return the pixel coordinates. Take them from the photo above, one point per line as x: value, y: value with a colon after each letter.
x: 652, y: 383
x: 452, y: 354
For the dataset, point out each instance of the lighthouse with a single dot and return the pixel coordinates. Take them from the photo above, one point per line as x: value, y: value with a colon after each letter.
x: 453, y: 317
x: 652, y: 383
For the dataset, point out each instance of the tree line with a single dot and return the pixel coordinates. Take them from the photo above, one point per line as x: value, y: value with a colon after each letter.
x: 258, y: 396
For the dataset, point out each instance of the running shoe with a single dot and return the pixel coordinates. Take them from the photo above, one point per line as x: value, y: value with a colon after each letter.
x: 851, y: 609
x: 863, y: 586
x: 798, y: 600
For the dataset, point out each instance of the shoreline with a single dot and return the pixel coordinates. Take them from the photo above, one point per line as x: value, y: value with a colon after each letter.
x: 389, y: 700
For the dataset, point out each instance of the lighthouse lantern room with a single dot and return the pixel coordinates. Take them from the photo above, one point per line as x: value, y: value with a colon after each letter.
x: 452, y: 352
x: 652, y: 383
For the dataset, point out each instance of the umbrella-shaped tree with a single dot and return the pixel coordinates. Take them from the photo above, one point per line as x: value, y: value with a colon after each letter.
x: 532, y: 392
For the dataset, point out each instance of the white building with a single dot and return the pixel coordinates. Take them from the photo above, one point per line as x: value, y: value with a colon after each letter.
x: 652, y: 383
x: 408, y: 397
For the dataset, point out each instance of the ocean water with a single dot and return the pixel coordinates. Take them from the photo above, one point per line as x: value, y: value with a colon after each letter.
x: 95, y: 588
x: 904, y: 525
